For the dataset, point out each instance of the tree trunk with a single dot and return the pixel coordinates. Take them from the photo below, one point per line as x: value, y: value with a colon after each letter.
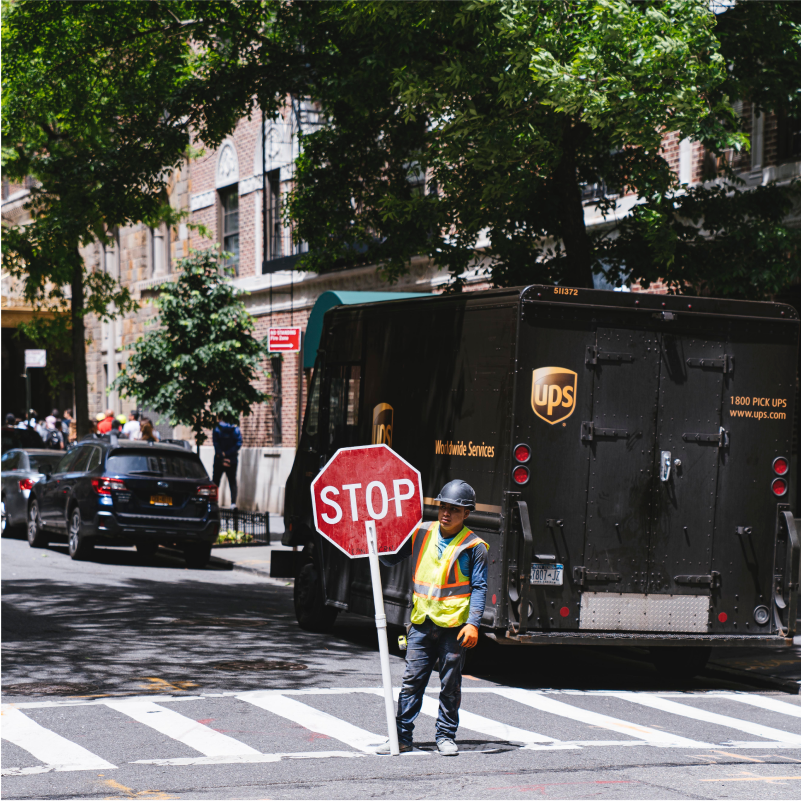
x: 575, y: 239
x: 80, y: 377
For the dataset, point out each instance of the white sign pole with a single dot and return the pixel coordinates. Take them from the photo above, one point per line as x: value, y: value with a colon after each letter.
x: 383, y: 645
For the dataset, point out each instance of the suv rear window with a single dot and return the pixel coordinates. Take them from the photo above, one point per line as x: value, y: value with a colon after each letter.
x: 155, y: 464
x: 39, y: 460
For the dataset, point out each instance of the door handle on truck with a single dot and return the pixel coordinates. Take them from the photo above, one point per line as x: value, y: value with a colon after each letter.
x: 664, y: 466
x: 791, y: 568
x: 524, y: 575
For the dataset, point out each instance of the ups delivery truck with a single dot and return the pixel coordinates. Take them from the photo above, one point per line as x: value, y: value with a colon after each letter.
x: 630, y: 453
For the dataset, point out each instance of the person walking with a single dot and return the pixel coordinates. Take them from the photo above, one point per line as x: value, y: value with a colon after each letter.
x: 53, y: 438
x: 104, y: 423
x: 227, y: 441
x: 147, y: 434
x: 132, y: 429
x: 450, y: 590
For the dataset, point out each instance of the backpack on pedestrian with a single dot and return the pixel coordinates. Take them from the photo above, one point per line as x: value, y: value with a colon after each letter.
x: 54, y: 440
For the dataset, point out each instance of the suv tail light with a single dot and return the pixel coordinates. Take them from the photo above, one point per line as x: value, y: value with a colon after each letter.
x: 208, y: 491
x: 26, y: 483
x: 104, y: 485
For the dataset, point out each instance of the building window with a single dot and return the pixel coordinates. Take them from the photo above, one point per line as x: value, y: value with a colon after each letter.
x: 274, y: 229
x: 160, y: 250
x: 229, y: 200
x: 275, y: 367
x: 788, y: 135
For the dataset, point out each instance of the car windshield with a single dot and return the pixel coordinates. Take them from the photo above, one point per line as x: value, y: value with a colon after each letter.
x: 156, y: 464
x: 38, y: 461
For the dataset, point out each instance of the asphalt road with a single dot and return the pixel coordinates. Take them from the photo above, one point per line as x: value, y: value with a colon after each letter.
x: 133, y: 678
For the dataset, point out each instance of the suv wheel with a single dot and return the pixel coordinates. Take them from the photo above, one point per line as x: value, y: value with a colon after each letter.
x: 36, y: 537
x: 77, y: 544
x: 197, y: 556
x: 310, y: 611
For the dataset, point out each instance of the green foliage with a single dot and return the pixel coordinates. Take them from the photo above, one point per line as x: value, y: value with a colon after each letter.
x: 202, y: 359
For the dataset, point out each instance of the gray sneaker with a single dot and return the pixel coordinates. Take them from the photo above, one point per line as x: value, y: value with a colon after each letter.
x: 447, y: 747
x: 384, y: 750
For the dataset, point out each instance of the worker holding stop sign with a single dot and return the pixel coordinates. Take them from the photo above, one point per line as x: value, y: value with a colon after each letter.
x: 450, y: 588
x: 368, y: 501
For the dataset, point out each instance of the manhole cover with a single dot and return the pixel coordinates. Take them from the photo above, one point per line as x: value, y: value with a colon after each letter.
x: 264, y: 664
x: 43, y: 688
x: 219, y: 621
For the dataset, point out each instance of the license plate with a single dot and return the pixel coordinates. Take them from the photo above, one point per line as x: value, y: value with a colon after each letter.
x: 166, y: 500
x: 547, y: 574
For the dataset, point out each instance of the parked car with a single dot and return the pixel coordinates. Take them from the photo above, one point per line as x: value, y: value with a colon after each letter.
x: 20, y: 438
x: 127, y: 493
x: 21, y: 469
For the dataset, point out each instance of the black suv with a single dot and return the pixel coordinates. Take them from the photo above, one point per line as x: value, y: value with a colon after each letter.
x: 127, y: 493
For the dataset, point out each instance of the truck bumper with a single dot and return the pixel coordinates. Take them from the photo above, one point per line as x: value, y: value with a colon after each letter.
x: 635, y: 639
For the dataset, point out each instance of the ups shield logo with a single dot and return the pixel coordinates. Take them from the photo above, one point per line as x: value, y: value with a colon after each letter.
x: 383, y: 415
x: 553, y: 393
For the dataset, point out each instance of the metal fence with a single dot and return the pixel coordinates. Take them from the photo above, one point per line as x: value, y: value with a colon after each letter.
x: 241, y: 528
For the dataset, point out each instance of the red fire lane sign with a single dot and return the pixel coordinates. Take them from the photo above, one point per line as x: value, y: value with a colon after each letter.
x: 285, y: 340
x: 367, y: 484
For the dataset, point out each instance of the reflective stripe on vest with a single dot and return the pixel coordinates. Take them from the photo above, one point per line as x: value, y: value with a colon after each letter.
x: 441, y: 591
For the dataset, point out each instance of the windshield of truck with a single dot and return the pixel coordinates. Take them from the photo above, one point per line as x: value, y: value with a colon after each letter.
x: 175, y: 465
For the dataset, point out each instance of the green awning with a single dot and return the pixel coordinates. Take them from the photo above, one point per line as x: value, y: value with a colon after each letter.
x: 326, y: 301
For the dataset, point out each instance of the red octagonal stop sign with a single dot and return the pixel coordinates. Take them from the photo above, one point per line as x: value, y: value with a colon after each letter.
x: 370, y: 482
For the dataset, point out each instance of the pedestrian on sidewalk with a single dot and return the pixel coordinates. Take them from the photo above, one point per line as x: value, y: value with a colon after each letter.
x: 132, y: 429
x: 104, y: 423
x: 147, y: 433
x: 227, y: 440
x: 53, y: 438
x: 450, y: 590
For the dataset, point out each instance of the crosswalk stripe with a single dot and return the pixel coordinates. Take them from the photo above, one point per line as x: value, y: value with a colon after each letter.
x: 179, y: 727
x: 250, y: 758
x: 771, y: 704
x: 546, y: 704
x: 55, y: 751
x: 313, y: 719
x: 494, y: 728
x: 674, y: 708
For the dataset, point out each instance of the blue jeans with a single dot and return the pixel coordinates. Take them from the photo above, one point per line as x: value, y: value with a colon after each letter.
x: 427, y: 642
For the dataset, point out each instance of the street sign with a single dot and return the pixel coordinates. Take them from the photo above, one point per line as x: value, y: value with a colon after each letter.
x: 368, y: 483
x: 283, y: 340
x: 369, y: 500
x: 35, y: 358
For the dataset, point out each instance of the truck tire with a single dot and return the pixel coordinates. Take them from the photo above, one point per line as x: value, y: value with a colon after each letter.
x: 679, y: 663
x: 310, y: 611
x: 36, y: 537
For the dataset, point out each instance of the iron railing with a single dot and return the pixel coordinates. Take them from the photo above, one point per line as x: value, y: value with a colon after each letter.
x: 240, y: 527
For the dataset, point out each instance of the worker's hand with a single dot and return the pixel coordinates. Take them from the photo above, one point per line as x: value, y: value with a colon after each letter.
x: 468, y: 636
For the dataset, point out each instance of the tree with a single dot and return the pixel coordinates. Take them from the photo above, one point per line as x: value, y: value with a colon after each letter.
x: 511, y: 109
x: 203, y: 359
x: 99, y: 104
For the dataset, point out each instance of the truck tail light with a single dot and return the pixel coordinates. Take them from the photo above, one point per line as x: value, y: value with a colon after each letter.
x: 208, y: 491
x: 520, y: 474
x: 779, y: 487
x: 522, y: 452
x: 104, y: 485
x: 26, y: 483
x: 780, y: 465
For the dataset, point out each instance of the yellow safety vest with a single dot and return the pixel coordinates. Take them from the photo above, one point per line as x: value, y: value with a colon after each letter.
x: 441, y: 590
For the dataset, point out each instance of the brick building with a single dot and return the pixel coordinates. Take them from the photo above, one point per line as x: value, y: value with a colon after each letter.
x: 225, y: 191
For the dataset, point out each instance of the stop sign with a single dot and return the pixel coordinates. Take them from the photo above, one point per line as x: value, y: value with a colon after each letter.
x: 367, y: 483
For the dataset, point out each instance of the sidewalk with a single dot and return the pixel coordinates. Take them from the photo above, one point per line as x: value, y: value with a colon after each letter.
x: 255, y: 558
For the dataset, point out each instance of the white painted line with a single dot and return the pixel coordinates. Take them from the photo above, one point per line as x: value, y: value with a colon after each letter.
x: 645, y: 733
x: 55, y: 751
x: 764, y: 702
x: 314, y: 720
x: 187, y: 731
x: 665, y: 705
x: 250, y: 758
